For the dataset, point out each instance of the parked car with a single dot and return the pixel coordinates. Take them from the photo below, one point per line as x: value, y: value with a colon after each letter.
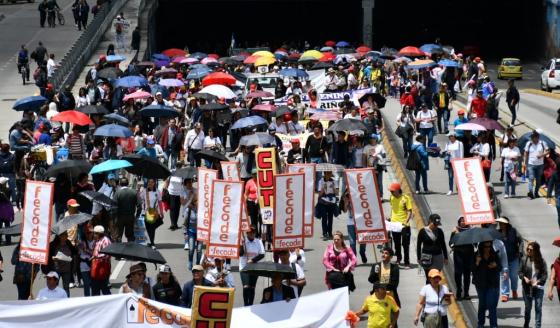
x: 550, y: 77
x: 510, y: 68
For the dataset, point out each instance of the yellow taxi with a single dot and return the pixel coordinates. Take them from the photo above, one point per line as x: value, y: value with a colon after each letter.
x: 510, y: 68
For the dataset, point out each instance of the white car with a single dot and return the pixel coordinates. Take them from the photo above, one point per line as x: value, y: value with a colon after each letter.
x: 267, y: 82
x: 550, y: 77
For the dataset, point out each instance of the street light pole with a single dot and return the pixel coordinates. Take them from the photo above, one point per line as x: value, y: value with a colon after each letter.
x: 367, y: 22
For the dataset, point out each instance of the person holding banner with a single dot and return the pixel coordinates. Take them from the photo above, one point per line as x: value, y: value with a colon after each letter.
x: 374, y: 156
x: 23, y: 274
x: 401, y: 212
x: 252, y: 251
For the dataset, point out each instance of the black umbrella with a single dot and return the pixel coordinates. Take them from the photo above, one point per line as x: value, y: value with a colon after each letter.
x: 474, y: 236
x: 11, y: 230
x: 146, y: 167
x: 116, y: 118
x: 206, y: 96
x: 230, y: 61
x: 322, y: 65
x: 379, y: 99
x: 93, y: 109
x: 159, y: 111
x: 70, y: 168
x: 269, y: 269
x: 347, y: 124
x: 134, y: 252
x: 214, y: 106
x: 69, y: 221
x: 281, y: 110
x: 188, y: 172
x: 99, y: 198
x: 109, y: 73
x: 211, y: 155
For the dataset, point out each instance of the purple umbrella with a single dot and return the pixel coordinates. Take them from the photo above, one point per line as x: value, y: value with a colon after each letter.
x: 488, y: 123
x: 171, y: 83
x: 161, y: 62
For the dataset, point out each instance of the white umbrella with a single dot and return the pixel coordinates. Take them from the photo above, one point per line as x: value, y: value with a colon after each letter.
x: 219, y: 91
x: 470, y: 126
x: 171, y: 83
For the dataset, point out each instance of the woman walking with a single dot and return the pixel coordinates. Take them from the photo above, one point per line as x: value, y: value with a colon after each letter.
x: 405, y: 126
x: 486, y: 278
x: 326, y: 207
x: 431, y: 249
x: 153, y: 215
x: 510, y: 157
x: 339, y: 260
x: 453, y: 149
x: 533, y: 275
x: 433, y: 302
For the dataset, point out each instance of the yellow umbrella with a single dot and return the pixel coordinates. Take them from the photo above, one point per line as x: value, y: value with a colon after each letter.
x: 264, y: 61
x: 313, y: 53
x: 264, y: 53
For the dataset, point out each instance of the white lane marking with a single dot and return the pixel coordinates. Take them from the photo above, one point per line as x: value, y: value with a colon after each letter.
x: 117, y: 271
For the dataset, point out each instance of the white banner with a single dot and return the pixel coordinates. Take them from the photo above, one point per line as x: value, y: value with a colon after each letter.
x: 37, y: 217
x: 366, y: 206
x: 288, y: 211
x: 225, y: 223
x: 230, y: 171
x: 308, y: 187
x: 205, y: 178
x: 322, y: 310
x: 473, y: 192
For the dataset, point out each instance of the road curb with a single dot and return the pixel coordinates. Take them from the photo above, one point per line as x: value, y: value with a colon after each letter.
x: 453, y: 309
x: 542, y: 93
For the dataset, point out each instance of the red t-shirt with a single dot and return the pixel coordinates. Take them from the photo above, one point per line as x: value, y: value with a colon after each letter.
x: 479, y: 107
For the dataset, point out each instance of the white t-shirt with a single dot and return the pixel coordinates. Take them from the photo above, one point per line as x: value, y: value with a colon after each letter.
x: 211, y: 142
x: 193, y: 140
x: 252, y: 249
x: 455, y: 149
x: 534, y: 150
x: 48, y: 294
x: 299, y: 275
x: 425, y: 115
x: 329, y: 187
x: 509, y: 154
x: 434, y: 302
x: 51, y: 65
x: 175, y: 186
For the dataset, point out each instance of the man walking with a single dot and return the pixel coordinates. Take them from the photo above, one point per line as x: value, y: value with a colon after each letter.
x: 535, y: 151
x: 42, y: 12
x: 82, y: 12
x: 401, y: 212
x: 40, y: 54
x: 128, y: 209
x: 512, y: 99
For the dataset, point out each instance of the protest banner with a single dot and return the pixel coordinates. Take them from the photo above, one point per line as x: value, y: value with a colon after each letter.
x: 225, y: 223
x: 212, y: 307
x: 308, y: 187
x: 288, y: 211
x: 265, y: 160
x: 37, y: 217
x: 230, y: 171
x: 366, y: 206
x: 473, y: 193
x: 205, y: 178
x: 245, y: 223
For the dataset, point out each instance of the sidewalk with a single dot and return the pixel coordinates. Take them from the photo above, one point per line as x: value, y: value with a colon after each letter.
x: 542, y: 225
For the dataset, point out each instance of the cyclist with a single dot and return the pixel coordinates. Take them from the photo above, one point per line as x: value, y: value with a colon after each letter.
x: 52, y: 7
x: 23, y: 61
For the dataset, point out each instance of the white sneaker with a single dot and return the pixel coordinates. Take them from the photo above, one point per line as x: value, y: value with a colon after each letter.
x: 506, y: 196
x: 449, y: 193
x: 186, y: 247
x: 71, y: 285
x: 417, y: 191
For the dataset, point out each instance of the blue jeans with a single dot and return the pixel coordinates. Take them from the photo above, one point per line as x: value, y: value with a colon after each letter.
x: 429, y: 133
x: 318, y: 175
x: 509, y: 187
x: 488, y: 300
x: 407, y: 142
x: 536, y: 296
x: 513, y: 268
x: 450, y: 178
x: 11, y: 184
x: 352, y: 240
x: 194, y: 245
x: 86, y: 278
x: 424, y: 175
x: 551, y: 184
x: 172, y: 158
x: 534, y: 172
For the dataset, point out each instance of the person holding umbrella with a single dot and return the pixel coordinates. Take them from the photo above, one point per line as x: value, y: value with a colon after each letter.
x: 252, y: 251
x: 277, y: 291
x: 462, y: 258
x: 100, y: 263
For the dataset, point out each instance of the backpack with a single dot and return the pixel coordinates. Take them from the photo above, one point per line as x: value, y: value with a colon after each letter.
x: 413, y: 163
x: 36, y: 73
x: 7, y: 164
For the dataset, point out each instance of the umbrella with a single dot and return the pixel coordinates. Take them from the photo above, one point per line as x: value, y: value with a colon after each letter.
x: 115, y: 58
x: 281, y: 110
x: 244, y: 112
x: 69, y: 221
x: 198, y: 55
x: 411, y: 52
x: 527, y: 136
x: 259, y: 94
x: 378, y: 98
x: 264, y: 61
x: 219, y: 91
x: 432, y: 48
x: 99, y: 198
x: 269, y: 269
x: 155, y: 88
x: 162, y: 63
x: 229, y: 61
x: 214, y: 106
x: 165, y: 71
x: 264, y: 108
x: 374, y: 54
x: 348, y: 124
x: 293, y: 72
x: 131, y: 82
x: 326, y: 116
x: 70, y: 168
x: 93, y: 109
x: 146, y: 167
x: 32, y: 103
x: 179, y: 59
x: 402, y: 59
x: 109, y: 73
x: 250, y: 60
x: 171, y: 83
x: 110, y: 165
x: 313, y: 53
x: 188, y: 172
x: 448, y: 63
x: 556, y: 241
x: 112, y: 130
x: 326, y: 49
x: 388, y: 53
x: 218, y: 78
x: 205, y: 96
x: 363, y: 49
x: 263, y: 53
x: 257, y: 139
x: 113, y: 117
x: 208, y: 60
x: 344, y: 58
x: 321, y: 65
x: 342, y: 51
x: 328, y: 57
x: 470, y: 126
x: 72, y: 116
x: 324, y: 167
x: 198, y: 73
x: 174, y: 52
x: 474, y: 236
x: 160, y: 57
x: 488, y: 123
x: 189, y: 60
x: 13, y: 230
x: 424, y: 63
x: 280, y: 55
x: 134, y: 252
x: 342, y: 44
x: 307, y: 59
x: 139, y: 94
x: 248, y: 122
x: 159, y: 111
x: 330, y: 43
x: 211, y: 155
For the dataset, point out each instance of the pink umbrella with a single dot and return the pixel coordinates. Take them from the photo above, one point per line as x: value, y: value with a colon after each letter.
x: 264, y: 107
x: 470, y: 126
x: 208, y: 60
x: 140, y: 94
x: 188, y: 60
x: 326, y: 116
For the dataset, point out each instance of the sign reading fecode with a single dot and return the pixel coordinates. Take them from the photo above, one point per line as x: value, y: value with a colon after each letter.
x: 225, y: 223
x: 309, y: 183
x: 205, y: 178
x: 230, y: 171
x: 288, y: 211
x: 473, y: 193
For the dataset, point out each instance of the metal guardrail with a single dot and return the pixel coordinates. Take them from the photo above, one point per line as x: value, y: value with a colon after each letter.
x: 73, y: 62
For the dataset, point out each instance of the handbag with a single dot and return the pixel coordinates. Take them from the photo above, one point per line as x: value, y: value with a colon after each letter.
x: 426, y: 260
x: 100, y: 269
x: 486, y: 164
x: 152, y: 214
x: 399, y: 132
x: 336, y: 279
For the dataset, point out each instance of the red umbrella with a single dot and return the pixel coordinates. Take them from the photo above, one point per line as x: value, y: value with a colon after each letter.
x: 215, y: 56
x: 411, y: 52
x: 264, y: 108
x: 259, y: 94
x: 330, y: 43
x: 72, y: 116
x: 173, y: 52
x: 218, y: 78
x: 329, y: 56
x: 556, y: 242
x: 250, y: 60
x: 363, y: 49
x: 294, y: 55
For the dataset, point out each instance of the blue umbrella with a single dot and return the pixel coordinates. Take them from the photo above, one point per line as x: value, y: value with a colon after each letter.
x: 293, y: 72
x: 113, y: 130
x: 160, y: 57
x: 161, y: 62
x: 342, y: 44
x: 198, y: 55
x: 448, y: 63
x: 32, y: 103
x: 159, y: 111
x: 431, y: 48
x: 155, y: 88
x: 521, y: 142
x: 131, y: 82
x: 115, y: 58
x: 203, y: 66
x: 110, y: 165
x: 117, y: 118
x: 248, y: 121
x: 198, y: 73
x: 374, y: 54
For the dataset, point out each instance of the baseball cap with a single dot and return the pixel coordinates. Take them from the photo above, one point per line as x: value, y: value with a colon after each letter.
x: 72, y: 203
x: 159, y: 93
x: 394, y: 186
x: 165, y: 268
x: 98, y: 229
x: 434, y: 273
x: 197, y: 267
x: 52, y: 274
x: 461, y: 112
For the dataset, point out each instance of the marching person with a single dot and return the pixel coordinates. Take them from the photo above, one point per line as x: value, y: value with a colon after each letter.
x: 150, y: 198
x: 277, y: 291
x: 486, y: 278
x: 299, y: 282
x: 218, y: 275
x: 100, y: 278
x: 433, y: 302
x: 462, y: 262
x: 387, y: 273
x: 252, y: 251
x: 339, y: 261
x: 534, y: 153
x: 135, y: 283
x: 188, y: 288
x: 51, y: 291
x: 514, y: 244
x: 128, y: 209
x: 453, y: 149
x: 401, y: 212
x: 382, y: 310
x: 533, y: 275
x: 167, y: 289
x: 431, y: 250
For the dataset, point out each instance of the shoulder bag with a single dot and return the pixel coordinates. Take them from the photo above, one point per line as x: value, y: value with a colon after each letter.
x: 152, y: 214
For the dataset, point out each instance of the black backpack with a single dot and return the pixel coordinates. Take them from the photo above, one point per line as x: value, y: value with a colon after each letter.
x: 413, y: 163
x: 7, y: 164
